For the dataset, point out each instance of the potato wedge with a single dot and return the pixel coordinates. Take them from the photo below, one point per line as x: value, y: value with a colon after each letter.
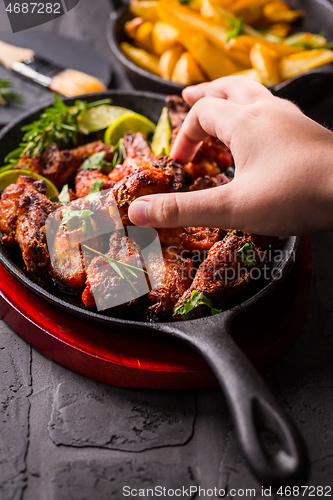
x: 282, y: 49
x: 184, y: 19
x: 210, y: 58
x: 143, y: 36
x: 250, y: 73
x: 131, y: 26
x: 280, y: 12
x: 216, y: 14
x: 145, y: 9
x: 164, y: 37
x: 186, y: 71
x: 169, y: 59
x: 265, y: 61
x: 141, y: 58
x: 280, y: 30
x: 308, y: 59
x: 240, y: 56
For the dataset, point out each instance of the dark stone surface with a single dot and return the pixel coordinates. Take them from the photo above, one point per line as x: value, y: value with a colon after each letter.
x: 95, y: 414
x: 15, y: 387
x: 81, y: 480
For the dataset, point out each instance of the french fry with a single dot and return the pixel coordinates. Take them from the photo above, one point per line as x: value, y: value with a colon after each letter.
x: 279, y: 30
x: 264, y: 60
x: 304, y: 61
x: 306, y: 40
x: 211, y: 59
x: 141, y: 58
x: 280, y: 12
x: 216, y: 14
x: 169, y: 59
x: 282, y: 49
x: 250, y: 73
x: 143, y: 36
x: 183, y: 19
x: 164, y: 37
x: 131, y: 26
x: 186, y: 71
x: 145, y: 9
x: 241, y: 57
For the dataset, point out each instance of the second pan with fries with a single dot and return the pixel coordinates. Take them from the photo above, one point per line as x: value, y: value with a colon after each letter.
x: 316, y: 20
x: 251, y: 404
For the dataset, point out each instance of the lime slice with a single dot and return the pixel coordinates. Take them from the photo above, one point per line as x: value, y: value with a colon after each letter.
x: 99, y: 118
x: 162, y: 137
x: 131, y: 122
x: 11, y: 176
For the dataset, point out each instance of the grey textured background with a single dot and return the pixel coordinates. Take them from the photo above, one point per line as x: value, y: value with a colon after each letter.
x: 64, y: 437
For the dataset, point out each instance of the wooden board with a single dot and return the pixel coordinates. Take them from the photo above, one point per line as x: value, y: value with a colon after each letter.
x: 58, y: 49
x: 145, y: 360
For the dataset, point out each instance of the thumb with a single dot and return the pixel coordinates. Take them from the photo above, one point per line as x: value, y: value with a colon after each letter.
x: 210, y: 208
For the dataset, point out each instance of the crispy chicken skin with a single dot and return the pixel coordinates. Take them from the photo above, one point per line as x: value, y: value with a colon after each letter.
x: 140, y: 157
x: 34, y: 209
x: 213, y: 156
x: 190, y: 239
x: 60, y: 166
x: 174, y: 275
x: 222, y: 275
x: 85, y: 179
x: 24, y: 209
x: 208, y: 182
x: 156, y: 179
x: 10, y: 207
x: 105, y: 283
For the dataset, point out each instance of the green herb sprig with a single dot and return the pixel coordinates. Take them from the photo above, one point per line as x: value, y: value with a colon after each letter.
x: 64, y: 195
x: 69, y: 214
x: 7, y: 95
x: 197, y: 299
x: 238, y: 28
x: 57, y: 124
x: 246, y: 254
x: 120, y: 267
x: 97, y: 160
x: 95, y: 191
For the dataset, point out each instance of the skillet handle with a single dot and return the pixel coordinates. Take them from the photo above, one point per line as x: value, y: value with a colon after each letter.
x: 252, y: 405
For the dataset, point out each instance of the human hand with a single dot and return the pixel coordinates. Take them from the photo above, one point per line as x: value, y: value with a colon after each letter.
x: 284, y: 165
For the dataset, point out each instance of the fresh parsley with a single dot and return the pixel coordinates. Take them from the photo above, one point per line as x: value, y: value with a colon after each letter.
x: 64, y: 195
x: 7, y: 95
x: 119, y: 153
x: 96, y: 162
x: 95, y: 191
x: 120, y: 267
x: 197, y: 299
x: 57, y: 124
x: 246, y: 254
x: 238, y: 28
x: 69, y: 214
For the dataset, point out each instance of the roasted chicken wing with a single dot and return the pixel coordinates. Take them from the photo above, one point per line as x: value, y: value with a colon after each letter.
x: 225, y: 272
x: 85, y: 179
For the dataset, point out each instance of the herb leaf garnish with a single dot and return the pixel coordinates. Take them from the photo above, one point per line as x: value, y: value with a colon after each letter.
x: 58, y: 124
x: 95, y: 191
x: 238, y: 28
x: 120, y: 267
x: 197, y: 299
x: 7, y: 95
x: 95, y: 162
x: 246, y: 254
x: 64, y: 195
x: 69, y: 214
x: 119, y: 153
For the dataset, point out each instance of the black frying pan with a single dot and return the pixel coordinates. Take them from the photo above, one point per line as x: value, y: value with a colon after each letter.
x: 318, y: 17
x: 251, y: 404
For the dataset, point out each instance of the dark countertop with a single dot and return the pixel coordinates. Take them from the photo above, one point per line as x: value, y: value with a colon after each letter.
x: 65, y: 437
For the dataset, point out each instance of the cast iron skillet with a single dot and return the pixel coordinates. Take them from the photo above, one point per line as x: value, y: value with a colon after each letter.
x: 319, y: 14
x: 252, y: 405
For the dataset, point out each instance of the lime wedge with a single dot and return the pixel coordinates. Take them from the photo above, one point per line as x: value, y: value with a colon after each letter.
x: 131, y: 122
x: 162, y: 137
x: 99, y: 118
x: 11, y: 176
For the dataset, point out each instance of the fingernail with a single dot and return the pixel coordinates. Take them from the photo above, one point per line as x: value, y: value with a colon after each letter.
x: 139, y: 212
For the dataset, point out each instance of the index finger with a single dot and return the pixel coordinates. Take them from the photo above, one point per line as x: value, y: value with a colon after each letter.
x: 210, y: 116
x: 238, y: 88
